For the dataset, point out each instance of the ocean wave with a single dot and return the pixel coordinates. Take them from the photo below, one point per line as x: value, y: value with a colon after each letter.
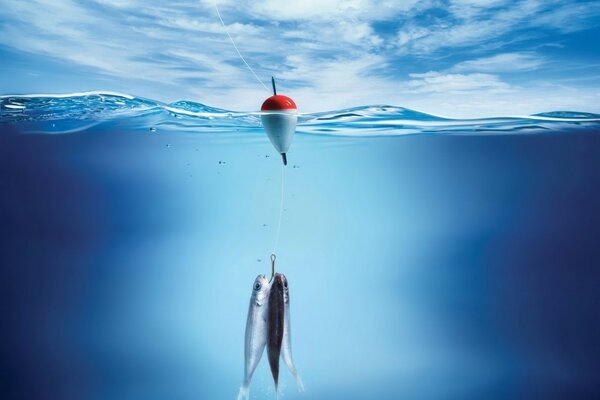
x: 65, y: 113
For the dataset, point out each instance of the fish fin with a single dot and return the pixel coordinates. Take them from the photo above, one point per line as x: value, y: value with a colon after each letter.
x: 299, y: 383
x: 244, y: 393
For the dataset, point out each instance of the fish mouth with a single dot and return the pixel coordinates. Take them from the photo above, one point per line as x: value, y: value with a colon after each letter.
x: 279, y: 279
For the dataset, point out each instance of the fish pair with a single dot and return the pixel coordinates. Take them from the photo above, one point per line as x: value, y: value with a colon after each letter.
x: 268, y: 324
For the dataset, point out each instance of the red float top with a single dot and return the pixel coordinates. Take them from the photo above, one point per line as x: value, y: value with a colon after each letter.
x: 278, y: 102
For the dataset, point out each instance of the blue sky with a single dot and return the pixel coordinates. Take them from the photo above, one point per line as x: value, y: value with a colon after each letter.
x: 456, y: 57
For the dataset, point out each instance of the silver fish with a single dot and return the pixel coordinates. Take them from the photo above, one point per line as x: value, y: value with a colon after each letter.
x: 256, y: 331
x: 275, y: 326
x: 286, y: 346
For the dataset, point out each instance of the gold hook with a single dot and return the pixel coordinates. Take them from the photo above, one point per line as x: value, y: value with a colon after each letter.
x: 273, y: 257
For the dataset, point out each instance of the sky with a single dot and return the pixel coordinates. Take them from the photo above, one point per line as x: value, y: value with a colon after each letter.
x: 457, y: 58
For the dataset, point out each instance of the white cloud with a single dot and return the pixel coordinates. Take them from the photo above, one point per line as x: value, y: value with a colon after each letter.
x: 308, y: 9
x: 198, y: 25
x: 476, y: 22
x: 437, y: 82
x: 359, y: 32
x: 503, y: 62
x: 411, y: 35
x: 569, y: 17
x: 317, y: 10
x: 518, y: 101
x: 336, y: 83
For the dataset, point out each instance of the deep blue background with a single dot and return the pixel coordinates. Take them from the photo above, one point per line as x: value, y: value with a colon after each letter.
x: 423, y: 267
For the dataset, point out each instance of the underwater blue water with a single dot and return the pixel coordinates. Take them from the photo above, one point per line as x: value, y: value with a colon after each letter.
x: 428, y: 258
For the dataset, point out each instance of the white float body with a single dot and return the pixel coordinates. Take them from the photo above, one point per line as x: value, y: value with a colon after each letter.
x: 280, y: 126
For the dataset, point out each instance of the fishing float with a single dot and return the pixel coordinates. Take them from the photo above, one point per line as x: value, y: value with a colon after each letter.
x: 279, y: 116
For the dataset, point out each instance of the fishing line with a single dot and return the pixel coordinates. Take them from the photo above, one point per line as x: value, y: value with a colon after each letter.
x: 280, y: 210
x: 278, y: 231
x: 238, y: 51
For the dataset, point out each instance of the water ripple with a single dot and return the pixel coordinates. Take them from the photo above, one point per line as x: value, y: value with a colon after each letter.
x: 65, y: 113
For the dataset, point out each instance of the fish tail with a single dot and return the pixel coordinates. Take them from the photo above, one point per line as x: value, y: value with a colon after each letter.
x: 299, y: 383
x: 288, y: 360
x: 244, y: 393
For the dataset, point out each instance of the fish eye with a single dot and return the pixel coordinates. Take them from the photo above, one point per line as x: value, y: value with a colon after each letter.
x: 285, y: 283
x: 257, y: 286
